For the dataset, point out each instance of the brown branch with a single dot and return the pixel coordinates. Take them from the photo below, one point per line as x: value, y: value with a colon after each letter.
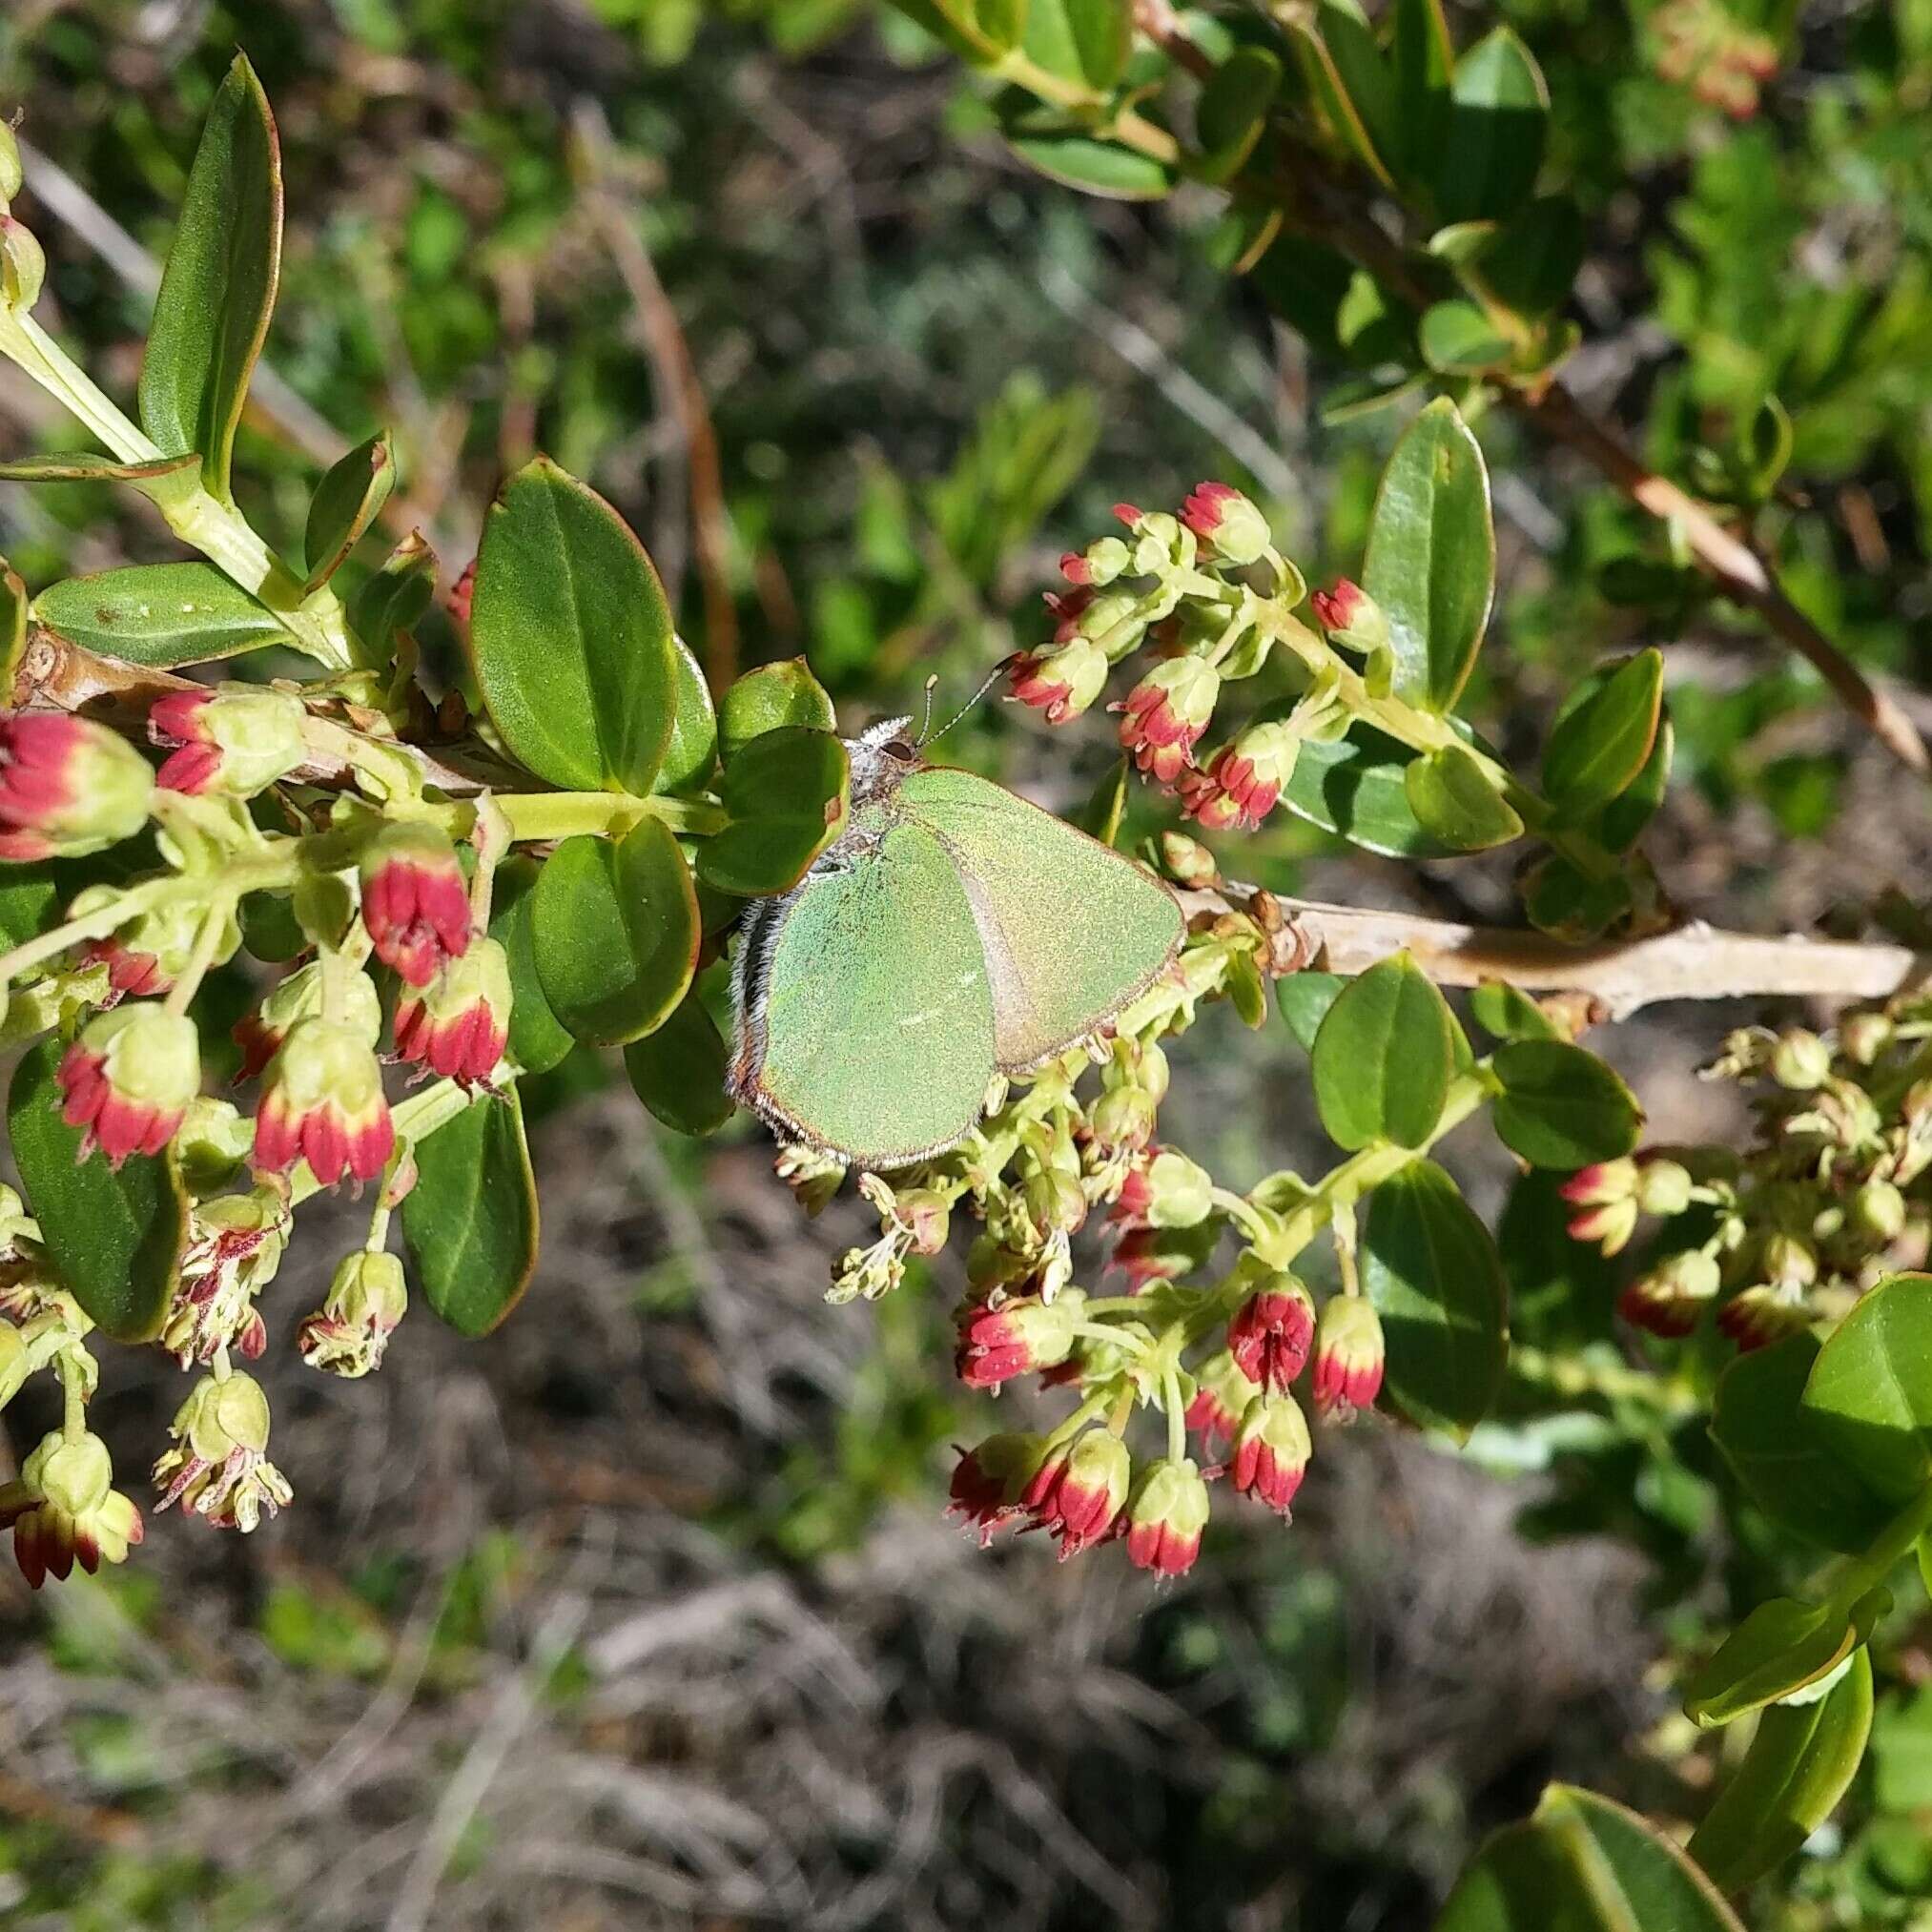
x: 678, y: 379
x: 1693, y: 961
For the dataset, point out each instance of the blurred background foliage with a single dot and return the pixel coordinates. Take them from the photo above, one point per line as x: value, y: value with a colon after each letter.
x: 643, y: 1608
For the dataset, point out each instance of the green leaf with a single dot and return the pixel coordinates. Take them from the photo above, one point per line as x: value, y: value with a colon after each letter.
x: 1561, y: 1106
x: 571, y: 636
x: 1423, y: 57
x: 1358, y: 788
x: 1509, y: 1014
x: 161, y: 615
x: 1304, y: 999
x: 347, y: 501
x: 1382, y: 1057
x: 1781, y: 1457
x: 394, y: 598
x: 1597, y: 748
x: 115, y: 1239
x: 1078, y: 159
x: 1567, y: 904
x: 270, y: 929
x: 1431, y: 561
x: 1087, y: 41
x: 678, y: 1071
x: 1459, y: 339
x: 1532, y: 260
x: 1101, y: 816
x: 217, y: 289
x: 1584, y: 1865
x: 692, y: 750
x: 615, y: 924
x: 1234, y: 110
x: 770, y: 698
x: 1433, y: 1274
x: 537, y: 1038
x: 14, y: 608
x: 1870, y: 1390
x: 1499, y: 117
x: 28, y: 896
x: 1454, y: 800
x: 83, y: 466
x: 1779, y: 1648
x: 977, y: 31
x: 471, y: 1219
x: 1352, y: 82
x: 1902, y: 1753
x: 1800, y: 1763
x: 787, y: 792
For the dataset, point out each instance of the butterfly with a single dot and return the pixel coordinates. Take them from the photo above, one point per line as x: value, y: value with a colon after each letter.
x: 952, y: 932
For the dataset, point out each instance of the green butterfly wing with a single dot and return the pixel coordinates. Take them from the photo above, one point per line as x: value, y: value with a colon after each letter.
x: 864, y: 1013
x: 1070, y: 929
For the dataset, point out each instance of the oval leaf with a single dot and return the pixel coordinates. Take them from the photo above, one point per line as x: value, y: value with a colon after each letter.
x: 1597, y: 748
x: 616, y: 931
x: 787, y: 792
x: 1431, y: 558
x: 1384, y: 1056
x: 768, y: 699
x: 347, y: 501
x: 1508, y: 1013
x: 1086, y: 41
x: 217, y: 289
x: 1800, y: 1764
x: 693, y: 747
x: 571, y: 636
x: 1433, y: 1272
x: 394, y: 598
x: 114, y: 1239
x: 161, y: 615
x: 1234, y: 110
x: 1453, y: 799
x: 1459, y: 339
x: 1870, y: 1391
x: 1781, y: 1457
x: 471, y: 1219
x: 1780, y: 1647
x: 1561, y: 1106
x: 1357, y: 789
x: 1498, y: 120
x: 678, y: 1071
x: 537, y: 1038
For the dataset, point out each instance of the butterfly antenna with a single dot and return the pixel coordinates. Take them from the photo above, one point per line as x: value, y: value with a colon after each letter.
x: 927, y: 735
x: 926, y: 722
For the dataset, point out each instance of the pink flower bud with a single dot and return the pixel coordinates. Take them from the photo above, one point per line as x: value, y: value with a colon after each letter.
x: 236, y: 741
x: 128, y: 1079
x: 1348, y: 1356
x: 1351, y: 617
x: 458, y: 1025
x: 1242, y: 780
x: 1271, y: 1332
x: 67, y: 787
x: 1762, y: 1315
x: 1164, y: 1189
x: 323, y: 1102
x: 1219, y: 515
x: 1165, y: 715
x: 1607, y: 1193
x: 1668, y: 1300
x: 298, y: 995
x: 63, y: 1509
x: 413, y: 901
x: 1077, y: 1491
x: 1060, y: 684
x: 1221, y: 1394
x: 1016, y: 1338
x: 989, y: 1480
x: 1167, y: 1516
x: 1272, y: 1451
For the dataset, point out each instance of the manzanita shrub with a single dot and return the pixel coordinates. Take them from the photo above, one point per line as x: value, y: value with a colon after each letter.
x: 502, y: 815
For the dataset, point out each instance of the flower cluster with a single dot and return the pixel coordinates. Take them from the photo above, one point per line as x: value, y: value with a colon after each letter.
x: 1829, y: 1198
x: 380, y: 882
x: 1072, y: 1159
x: 1210, y: 593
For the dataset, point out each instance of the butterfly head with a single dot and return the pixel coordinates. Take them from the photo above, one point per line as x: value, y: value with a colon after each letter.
x: 881, y: 755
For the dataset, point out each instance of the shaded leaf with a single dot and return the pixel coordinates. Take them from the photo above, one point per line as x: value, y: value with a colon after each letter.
x: 471, y: 1219
x: 1779, y: 1648
x: 348, y: 499
x: 1561, y: 1106
x: 1357, y: 788
x: 1304, y: 999
x: 1597, y: 748
x: 1498, y: 120
x: 1503, y: 1010
x: 1453, y: 800
x: 692, y: 750
x: 537, y: 1038
x: 787, y: 792
x: 1870, y: 1390
x: 1458, y: 338
x: 1234, y: 110
x: 1382, y: 1057
x: 678, y: 1071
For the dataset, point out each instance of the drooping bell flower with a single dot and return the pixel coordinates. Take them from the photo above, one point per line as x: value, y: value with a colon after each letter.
x: 1242, y: 780
x: 1164, y: 1520
x: 1165, y: 715
x: 349, y: 1334
x: 413, y: 900
x: 67, y: 787
x: 233, y: 742
x: 990, y: 1479
x: 1351, y: 617
x: 1272, y: 1451
x: 1666, y: 1300
x: 128, y: 1078
x: 1348, y: 1356
x: 1271, y: 1332
x: 1018, y: 1336
x: 1078, y: 1491
x: 218, y: 1467
x: 1221, y: 1394
x: 1060, y: 682
x: 63, y: 1509
x: 298, y: 995
x: 1219, y: 516
x: 460, y: 1023
x: 322, y: 1103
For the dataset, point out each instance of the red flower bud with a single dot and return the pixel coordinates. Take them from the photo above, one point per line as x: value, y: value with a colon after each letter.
x: 1668, y: 1300
x: 235, y: 741
x: 1351, y: 616
x: 323, y: 1102
x: 458, y: 1025
x: 1079, y: 1490
x: 412, y: 900
x: 298, y: 995
x: 1219, y: 515
x: 1016, y: 1337
x: 128, y: 1079
x: 1244, y: 779
x: 1060, y: 684
x: 989, y: 1481
x: 1165, y: 715
x: 1271, y: 1332
x: 67, y: 787
x: 1762, y: 1315
x: 1166, y: 1517
x: 1272, y: 1451
x: 1221, y: 1394
x: 1348, y: 1356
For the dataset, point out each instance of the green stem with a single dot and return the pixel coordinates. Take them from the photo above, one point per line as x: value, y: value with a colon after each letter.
x: 213, y: 922
x: 74, y: 1393
x: 1129, y: 129
x: 604, y: 814
x: 217, y: 529
x: 1894, y: 1543
x: 1176, y: 1420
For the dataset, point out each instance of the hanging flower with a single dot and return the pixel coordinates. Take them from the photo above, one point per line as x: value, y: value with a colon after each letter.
x: 63, y: 1509
x: 67, y: 787
x: 1165, y: 715
x: 1164, y: 1520
x: 1079, y: 1490
x: 413, y: 900
x: 128, y: 1079
x: 236, y: 741
x: 1271, y: 1332
x: 1271, y: 1450
x: 460, y: 1023
x: 218, y: 1467
x: 322, y: 1103
x: 1348, y: 1356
